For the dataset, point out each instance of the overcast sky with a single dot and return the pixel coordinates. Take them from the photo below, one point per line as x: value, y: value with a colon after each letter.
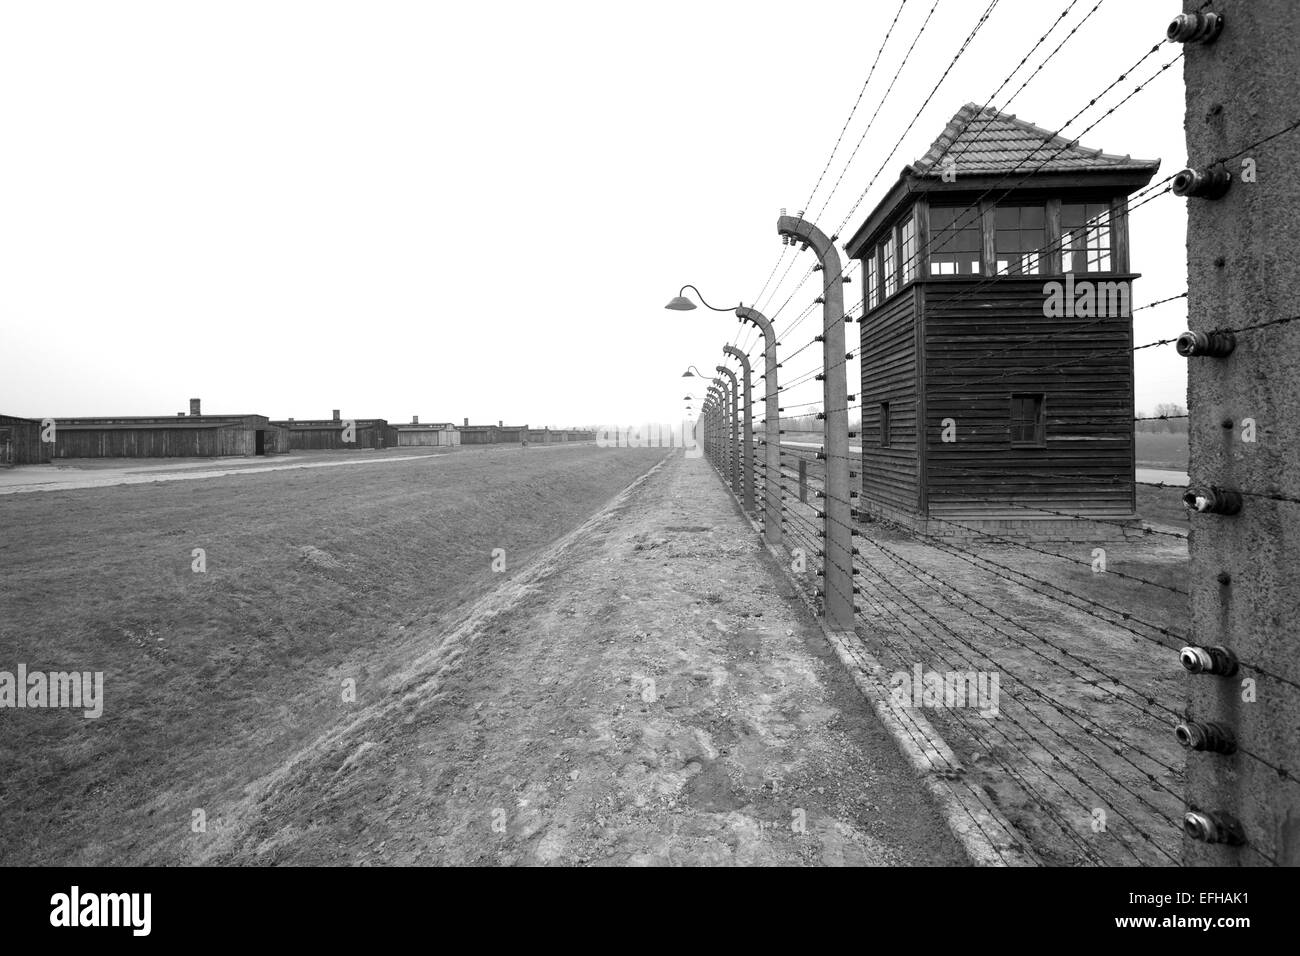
x: 480, y: 210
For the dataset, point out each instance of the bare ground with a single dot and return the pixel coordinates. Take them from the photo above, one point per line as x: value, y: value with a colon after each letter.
x: 1081, y: 757
x: 647, y: 692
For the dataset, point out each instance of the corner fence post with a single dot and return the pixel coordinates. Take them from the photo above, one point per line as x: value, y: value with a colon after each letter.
x: 772, y: 532
x: 837, y: 563
x: 1243, y: 686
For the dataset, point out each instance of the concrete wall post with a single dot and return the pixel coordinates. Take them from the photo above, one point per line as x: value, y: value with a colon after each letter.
x: 1244, y: 430
x: 747, y: 435
x: 837, y: 564
x: 772, y: 531
x: 733, y: 440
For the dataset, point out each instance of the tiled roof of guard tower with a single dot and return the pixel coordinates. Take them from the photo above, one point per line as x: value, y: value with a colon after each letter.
x: 984, y: 141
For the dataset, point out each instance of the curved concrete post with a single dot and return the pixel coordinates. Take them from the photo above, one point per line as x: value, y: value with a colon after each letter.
x: 747, y: 434
x: 733, y: 457
x: 724, y: 401
x: 705, y: 412
x: 772, y: 531
x: 715, y: 402
x: 837, y: 565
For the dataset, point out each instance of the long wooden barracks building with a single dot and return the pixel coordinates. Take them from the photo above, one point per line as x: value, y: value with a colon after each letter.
x: 996, y: 338
x: 195, y: 435
x: 210, y: 436
x: 336, y: 432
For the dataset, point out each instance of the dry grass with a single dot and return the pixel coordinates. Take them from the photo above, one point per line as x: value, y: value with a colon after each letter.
x: 1162, y: 450
x: 213, y: 679
x: 1162, y: 506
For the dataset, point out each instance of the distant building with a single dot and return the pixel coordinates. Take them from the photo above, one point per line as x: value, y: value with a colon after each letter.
x: 512, y: 434
x: 337, y: 432
x: 504, y: 434
x: 180, y: 436
x: 478, y: 434
x: 996, y: 338
x: 20, y: 442
x: 416, y: 434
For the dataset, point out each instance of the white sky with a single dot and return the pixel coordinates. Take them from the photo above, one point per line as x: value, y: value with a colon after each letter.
x: 480, y: 209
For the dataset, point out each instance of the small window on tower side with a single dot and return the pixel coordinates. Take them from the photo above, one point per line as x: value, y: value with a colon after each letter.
x: 884, y: 424
x: 889, y: 265
x: 907, y: 243
x: 1028, y: 421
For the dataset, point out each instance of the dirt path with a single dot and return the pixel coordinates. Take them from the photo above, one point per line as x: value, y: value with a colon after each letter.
x: 649, y: 692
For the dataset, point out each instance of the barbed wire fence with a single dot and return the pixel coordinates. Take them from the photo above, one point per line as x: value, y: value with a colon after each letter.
x: 1103, y: 750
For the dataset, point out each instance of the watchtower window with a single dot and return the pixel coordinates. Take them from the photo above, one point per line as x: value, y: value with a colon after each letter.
x: 1085, y: 237
x: 955, y: 240
x: 873, y: 281
x: 1028, y: 421
x: 889, y: 265
x: 907, y: 242
x: 1020, y: 235
x: 884, y: 424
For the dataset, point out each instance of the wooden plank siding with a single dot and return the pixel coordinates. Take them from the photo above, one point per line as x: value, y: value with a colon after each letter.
x: 427, y: 435
x: 984, y: 342
x: 182, y: 437
x: 888, y: 349
x: 74, y: 441
x: 327, y: 434
x: 20, y: 442
x: 478, y: 435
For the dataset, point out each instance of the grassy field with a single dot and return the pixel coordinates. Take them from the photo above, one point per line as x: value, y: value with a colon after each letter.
x: 313, y: 578
x: 1162, y: 450
x: 1162, y: 506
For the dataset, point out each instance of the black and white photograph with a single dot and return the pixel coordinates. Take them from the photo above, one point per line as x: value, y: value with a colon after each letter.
x: 694, y: 435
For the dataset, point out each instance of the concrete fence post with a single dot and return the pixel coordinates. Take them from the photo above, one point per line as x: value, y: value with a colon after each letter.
x: 714, y: 448
x: 747, y: 434
x: 1242, y: 87
x: 772, y: 532
x: 837, y: 563
x: 706, y: 418
x: 715, y: 395
x: 733, y: 444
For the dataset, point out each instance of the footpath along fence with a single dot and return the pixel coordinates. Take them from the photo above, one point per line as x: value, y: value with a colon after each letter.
x: 1117, y: 692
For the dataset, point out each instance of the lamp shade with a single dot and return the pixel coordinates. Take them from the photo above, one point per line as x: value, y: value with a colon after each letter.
x: 680, y: 303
